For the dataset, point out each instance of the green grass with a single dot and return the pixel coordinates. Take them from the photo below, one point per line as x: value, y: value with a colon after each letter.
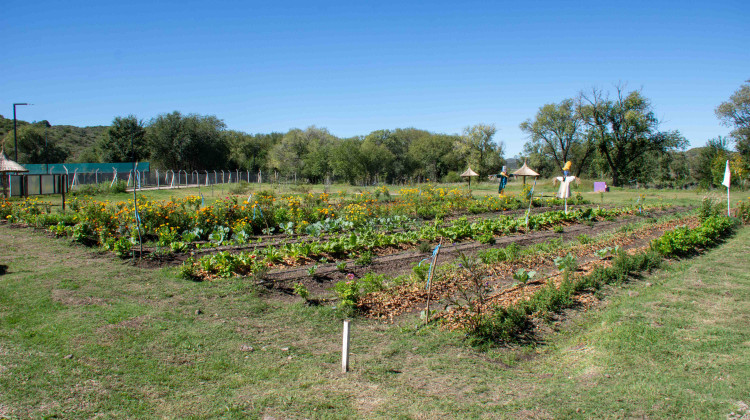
x: 677, y: 348
x: 617, y: 196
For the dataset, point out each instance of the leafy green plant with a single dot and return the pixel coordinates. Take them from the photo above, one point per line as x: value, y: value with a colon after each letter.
x: 312, y: 270
x: 219, y: 235
x: 372, y: 282
x: 301, y: 291
x: 59, y: 229
x: 122, y: 247
x: 188, y: 270
x: 558, y: 229
x: 584, y: 239
x: 419, y: 272
x: 83, y: 233
x: 472, y: 293
x: 523, y: 276
x: 348, y: 294
x: 365, y: 258
x: 568, y: 264
x: 486, y: 238
x: 601, y: 253
x: 341, y: 266
x: 178, y: 246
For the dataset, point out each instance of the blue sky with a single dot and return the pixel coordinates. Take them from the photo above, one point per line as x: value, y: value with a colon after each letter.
x: 355, y: 67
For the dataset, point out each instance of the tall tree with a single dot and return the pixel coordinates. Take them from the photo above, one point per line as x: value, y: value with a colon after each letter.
x: 481, y: 150
x: 35, y: 147
x: 293, y: 153
x: 625, y: 130
x: 124, y: 141
x: 346, y: 160
x: 736, y: 113
x: 435, y: 155
x: 248, y: 151
x: 557, y: 134
x: 191, y: 142
x: 711, y: 162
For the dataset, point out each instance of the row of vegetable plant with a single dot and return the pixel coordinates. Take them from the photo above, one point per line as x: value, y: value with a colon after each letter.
x: 178, y: 222
x: 350, y: 245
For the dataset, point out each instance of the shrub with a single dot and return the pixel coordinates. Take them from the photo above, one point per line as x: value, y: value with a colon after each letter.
x: 83, y: 233
x: 451, y: 178
x: 348, y: 294
x: 242, y: 187
x: 118, y: 187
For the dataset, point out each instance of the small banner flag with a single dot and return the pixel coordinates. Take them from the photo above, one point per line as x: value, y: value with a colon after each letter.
x: 726, y: 182
x: 727, y: 176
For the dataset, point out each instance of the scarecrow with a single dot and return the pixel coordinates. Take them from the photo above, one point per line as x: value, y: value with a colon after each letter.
x: 503, y: 178
x: 565, y: 182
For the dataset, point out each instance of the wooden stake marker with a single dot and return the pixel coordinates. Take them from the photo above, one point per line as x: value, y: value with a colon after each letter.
x: 345, y: 349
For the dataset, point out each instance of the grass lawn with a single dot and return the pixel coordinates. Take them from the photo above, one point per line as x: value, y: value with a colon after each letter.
x: 84, y: 335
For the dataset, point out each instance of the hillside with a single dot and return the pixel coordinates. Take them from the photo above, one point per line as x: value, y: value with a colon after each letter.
x: 75, y: 140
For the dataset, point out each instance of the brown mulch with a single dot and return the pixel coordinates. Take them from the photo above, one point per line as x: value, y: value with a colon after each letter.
x: 396, y: 301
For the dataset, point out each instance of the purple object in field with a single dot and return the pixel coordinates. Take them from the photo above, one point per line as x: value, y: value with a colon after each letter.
x: 600, y: 186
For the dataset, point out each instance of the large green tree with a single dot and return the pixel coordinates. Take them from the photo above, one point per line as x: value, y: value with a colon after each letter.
x: 708, y: 168
x: 481, y: 151
x: 35, y: 146
x: 124, y: 141
x: 304, y: 153
x: 250, y: 152
x: 625, y: 129
x: 346, y: 160
x: 435, y: 155
x: 190, y: 142
x: 556, y: 133
x: 736, y: 113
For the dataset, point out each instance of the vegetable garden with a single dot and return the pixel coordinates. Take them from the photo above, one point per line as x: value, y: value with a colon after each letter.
x: 369, y: 253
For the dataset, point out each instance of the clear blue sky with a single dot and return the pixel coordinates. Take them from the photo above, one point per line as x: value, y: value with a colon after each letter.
x: 355, y: 67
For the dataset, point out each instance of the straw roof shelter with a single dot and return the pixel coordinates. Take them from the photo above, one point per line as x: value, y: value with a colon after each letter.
x: 468, y: 174
x: 8, y: 166
x: 525, y: 171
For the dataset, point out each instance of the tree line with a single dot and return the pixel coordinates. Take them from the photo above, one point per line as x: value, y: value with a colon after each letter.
x: 612, y: 135
x: 617, y: 135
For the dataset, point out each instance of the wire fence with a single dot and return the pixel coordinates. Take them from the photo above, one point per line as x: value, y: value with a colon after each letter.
x: 42, y: 184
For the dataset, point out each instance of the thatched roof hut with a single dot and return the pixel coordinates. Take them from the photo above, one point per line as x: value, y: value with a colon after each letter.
x: 525, y: 171
x: 8, y: 166
x: 468, y: 174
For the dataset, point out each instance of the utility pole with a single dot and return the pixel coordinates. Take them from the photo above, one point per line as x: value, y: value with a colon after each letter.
x: 15, y: 136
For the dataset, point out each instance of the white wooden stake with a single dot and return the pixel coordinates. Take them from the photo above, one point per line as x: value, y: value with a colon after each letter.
x: 345, y: 349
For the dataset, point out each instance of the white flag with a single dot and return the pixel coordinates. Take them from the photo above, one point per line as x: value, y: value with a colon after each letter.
x: 727, y: 176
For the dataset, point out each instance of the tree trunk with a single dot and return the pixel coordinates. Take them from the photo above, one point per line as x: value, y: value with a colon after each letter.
x: 616, y: 181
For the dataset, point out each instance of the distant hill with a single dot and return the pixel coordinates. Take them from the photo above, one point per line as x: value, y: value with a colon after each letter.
x: 77, y: 141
